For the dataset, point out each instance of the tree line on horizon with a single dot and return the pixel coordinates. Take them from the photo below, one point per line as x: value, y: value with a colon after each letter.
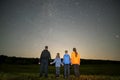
x: 23, y: 61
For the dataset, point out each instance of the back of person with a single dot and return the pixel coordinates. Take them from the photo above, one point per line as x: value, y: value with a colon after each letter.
x: 75, y: 59
x: 45, y: 55
x: 44, y: 59
x: 66, y: 59
x: 57, y: 62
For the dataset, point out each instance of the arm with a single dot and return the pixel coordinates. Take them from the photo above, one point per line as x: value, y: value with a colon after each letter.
x: 53, y: 61
x: 41, y: 57
x: 79, y: 59
x: 71, y: 59
x: 49, y: 55
x: 61, y: 62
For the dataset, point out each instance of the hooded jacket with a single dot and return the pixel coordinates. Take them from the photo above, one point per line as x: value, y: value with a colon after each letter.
x: 57, y: 62
x: 66, y: 59
x: 45, y: 56
x: 75, y: 59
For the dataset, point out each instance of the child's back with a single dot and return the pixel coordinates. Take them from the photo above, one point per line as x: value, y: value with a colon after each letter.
x: 57, y: 62
x: 66, y: 59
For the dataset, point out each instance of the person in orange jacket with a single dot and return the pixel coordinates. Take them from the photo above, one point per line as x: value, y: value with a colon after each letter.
x: 75, y: 61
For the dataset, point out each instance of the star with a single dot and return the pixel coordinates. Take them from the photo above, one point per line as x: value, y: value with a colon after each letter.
x: 117, y: 36
x: 77, y: 3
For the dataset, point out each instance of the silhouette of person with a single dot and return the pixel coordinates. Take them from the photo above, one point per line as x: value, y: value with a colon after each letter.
x: 75, y: 61
x: 44, y: 60
x: 58, y: 63
x: 66, y: 61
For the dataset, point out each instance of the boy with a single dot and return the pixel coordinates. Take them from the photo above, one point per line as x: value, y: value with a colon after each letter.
x: 66, y: 61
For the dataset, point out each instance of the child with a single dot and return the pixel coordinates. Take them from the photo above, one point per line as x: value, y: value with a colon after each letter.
x: 57, y: 62
x: 66, y: 61
x: 75, y: 61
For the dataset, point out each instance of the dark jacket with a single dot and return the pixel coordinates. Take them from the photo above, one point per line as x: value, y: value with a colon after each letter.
x: 45, y: 55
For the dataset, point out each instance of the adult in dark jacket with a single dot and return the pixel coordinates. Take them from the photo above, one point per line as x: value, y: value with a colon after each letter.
x: 44, y: 60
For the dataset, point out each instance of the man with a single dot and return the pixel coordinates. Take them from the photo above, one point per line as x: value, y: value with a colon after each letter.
x: 44, y: 59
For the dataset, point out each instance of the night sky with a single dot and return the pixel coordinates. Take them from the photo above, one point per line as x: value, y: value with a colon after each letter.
x: 92, y: 26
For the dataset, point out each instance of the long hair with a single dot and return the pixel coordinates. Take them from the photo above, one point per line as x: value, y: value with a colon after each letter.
x: 76, y: 53
x: 58, y: 55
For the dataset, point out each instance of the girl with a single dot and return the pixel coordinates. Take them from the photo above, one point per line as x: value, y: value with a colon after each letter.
x: 57, y: 62
x: 75, y: 61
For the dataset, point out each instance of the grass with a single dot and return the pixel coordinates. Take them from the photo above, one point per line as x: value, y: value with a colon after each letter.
x: 106, y: 69
x: 32, y: 76
x: 31, y: 72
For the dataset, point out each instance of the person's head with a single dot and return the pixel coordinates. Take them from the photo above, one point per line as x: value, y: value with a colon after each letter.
x: 46, y: 47
x: 66, y: 51
x: 74, y: 49
x: 58, y: 55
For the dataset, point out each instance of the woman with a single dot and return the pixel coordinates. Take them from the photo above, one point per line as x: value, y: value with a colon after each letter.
x: 75, y: 61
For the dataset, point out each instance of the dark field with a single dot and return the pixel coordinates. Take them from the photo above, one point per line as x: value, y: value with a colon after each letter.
x: 87, y: 71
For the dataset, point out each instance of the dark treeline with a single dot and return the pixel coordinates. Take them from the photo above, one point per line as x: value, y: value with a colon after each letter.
x: 23, y: 61
x: 17, y: 60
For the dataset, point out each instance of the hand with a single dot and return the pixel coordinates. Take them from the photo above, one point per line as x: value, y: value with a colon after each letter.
x: 50, y: 63
x: 38, y: 62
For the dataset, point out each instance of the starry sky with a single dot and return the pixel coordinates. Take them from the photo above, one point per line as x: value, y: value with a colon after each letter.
x: 92, y: 26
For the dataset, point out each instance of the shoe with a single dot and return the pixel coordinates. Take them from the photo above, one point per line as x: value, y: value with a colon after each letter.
x: 57, y: 75
x: 46, y: 76
x: 65, y: 77
x: 40, y: 75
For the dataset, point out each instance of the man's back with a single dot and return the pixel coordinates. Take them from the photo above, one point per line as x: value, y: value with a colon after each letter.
x: 44, y: 58
x: 45, y: 55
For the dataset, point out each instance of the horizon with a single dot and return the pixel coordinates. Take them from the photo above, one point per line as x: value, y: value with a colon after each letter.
x: 93, y: 27
x: 61, y: 58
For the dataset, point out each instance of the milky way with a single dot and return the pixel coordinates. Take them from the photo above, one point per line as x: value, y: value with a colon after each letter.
x: 92, y: 26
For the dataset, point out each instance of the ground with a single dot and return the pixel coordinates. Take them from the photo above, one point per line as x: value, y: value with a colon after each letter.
x: 31, y: 72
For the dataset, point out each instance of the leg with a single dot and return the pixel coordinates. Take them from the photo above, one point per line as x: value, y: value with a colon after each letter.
x: 78, y: 73
x: 57, y: 72
x: 65, y: 70
x: 46, y: 69
x: 68, y: 69
x: 75, y: 70
x: 41, y: 69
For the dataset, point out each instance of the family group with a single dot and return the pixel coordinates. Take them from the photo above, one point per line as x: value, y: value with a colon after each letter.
x: 74, y: 60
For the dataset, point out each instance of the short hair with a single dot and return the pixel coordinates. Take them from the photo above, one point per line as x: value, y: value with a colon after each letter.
x: 46, y: 47
x: 66, y: 51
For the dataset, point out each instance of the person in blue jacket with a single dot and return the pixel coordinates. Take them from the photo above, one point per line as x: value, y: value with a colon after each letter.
x: 58, y: 63
x: 66, y: 62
